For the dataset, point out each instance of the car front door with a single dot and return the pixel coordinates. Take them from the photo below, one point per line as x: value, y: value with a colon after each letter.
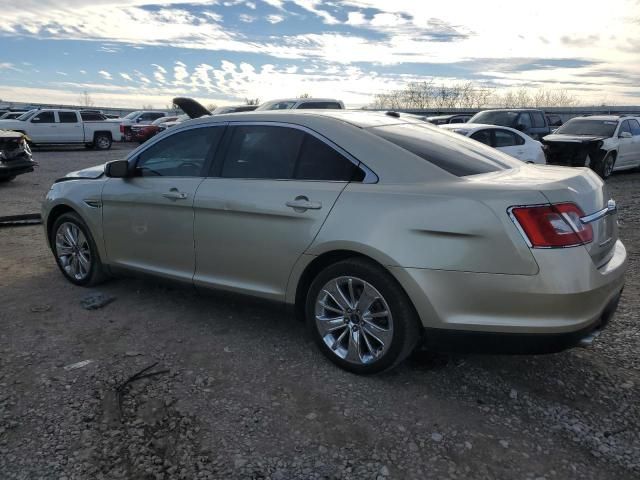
x: 43, y: 127
x: 524, y: 123
x: 270, y: 192
x: 625, y: 145
x: 634, y: 158
x: 69, y: 128
x: 148, y: 218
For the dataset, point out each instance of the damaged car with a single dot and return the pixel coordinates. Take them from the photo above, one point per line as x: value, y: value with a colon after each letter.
x: 605, y: 143
x: 15, y: 155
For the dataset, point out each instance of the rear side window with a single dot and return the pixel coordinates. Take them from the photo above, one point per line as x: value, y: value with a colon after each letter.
x: 318, y: 161
x: 504, y: 138
x: 180, y: 155
x: 451, y: 152
x: 482, y: 136
x: 67, y: 117
x: 538, y: 119
x: 91, y: 117
x: 43, y: 117
x: 322, y: 105
x: 260, y: 151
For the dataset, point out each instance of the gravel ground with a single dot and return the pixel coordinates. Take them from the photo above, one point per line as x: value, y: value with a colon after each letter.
x: 243, y: 394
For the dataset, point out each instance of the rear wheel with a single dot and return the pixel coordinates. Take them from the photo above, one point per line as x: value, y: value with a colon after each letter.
x: 75, y: 251
x: 360, y: 317
x: 102, y: 141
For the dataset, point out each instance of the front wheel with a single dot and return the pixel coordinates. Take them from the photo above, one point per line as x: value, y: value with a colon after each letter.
x: 605, y: 169
x: 75, y: 251
x: 102, y: 141
x: 360, y: 317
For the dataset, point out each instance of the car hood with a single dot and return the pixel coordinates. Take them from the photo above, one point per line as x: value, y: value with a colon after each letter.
x: 191, y: 107
x: 559, y: 137
x: 91, y: 173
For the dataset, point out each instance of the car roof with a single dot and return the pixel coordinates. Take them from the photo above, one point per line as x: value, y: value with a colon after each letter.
x: 612, y: 118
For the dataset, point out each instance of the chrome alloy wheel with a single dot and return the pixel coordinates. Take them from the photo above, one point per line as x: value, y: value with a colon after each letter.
x: 72, y: 250
x: 608, y: 166
x: 102, y: 142
x: 354, y: 320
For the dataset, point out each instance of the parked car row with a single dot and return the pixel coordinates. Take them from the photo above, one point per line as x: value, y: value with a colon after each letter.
x: 15, y: 155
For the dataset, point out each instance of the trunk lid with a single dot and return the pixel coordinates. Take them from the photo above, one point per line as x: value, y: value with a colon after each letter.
x: 560, y: 184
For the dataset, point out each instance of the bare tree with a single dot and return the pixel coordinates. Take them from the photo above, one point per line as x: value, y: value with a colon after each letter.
x: 147, y: 107
x: 85, y: 100
x: 211, y: 107
x: 252, y: 101
x: 304, y: 95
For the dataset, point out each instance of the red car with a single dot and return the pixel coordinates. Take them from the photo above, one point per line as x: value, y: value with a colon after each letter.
x: 142, y: 133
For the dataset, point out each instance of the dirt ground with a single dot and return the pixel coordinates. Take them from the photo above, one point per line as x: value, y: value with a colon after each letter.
x: 243, y: 393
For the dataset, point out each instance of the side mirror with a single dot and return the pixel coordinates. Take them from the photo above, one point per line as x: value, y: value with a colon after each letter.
x: 138, y: 119
x: 625, y: 135
x: 117, y: 169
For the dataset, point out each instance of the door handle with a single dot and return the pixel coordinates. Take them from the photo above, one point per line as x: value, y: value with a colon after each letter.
x: 302, y: 203
x: 174, y: 194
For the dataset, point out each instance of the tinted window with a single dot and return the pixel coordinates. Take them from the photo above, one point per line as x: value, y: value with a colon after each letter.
x: 258, y: 151
x: 504, y: 138
x: 635, y: 127
x: 449, y: 151
x: 67, y: 117
x: 554, y: 120
x: 281, y: 106
x: 625, y: 127
x: 586, y: 126
x: 43, y: 117
x: 525, y: 120
x: 91, y: 117
x: 318, y: 161
x: 323, y: 105
x: 538, y: 119
x: 180, y: 155
x: 501, y: 117
x: 458, y: 120
x: 482, y: 136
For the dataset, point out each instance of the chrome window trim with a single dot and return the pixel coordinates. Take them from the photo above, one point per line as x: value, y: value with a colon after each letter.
x: 369, y: 175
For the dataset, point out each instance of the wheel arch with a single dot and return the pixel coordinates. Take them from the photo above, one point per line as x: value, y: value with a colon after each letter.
x: 100, y: 132
x: 302, y: 277
x: 54, y: 214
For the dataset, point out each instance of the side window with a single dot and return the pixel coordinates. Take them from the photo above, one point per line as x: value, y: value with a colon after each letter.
x: 625, y: 127
x: 318, y: 161
x: 483, y: 136
x: 91, y: 117
x: 180, y: 155
x: 504, y: 138
x: 525, y: 119
x: 260, y: 151
x: 538, y: 119
x: 43, y: 117
x: 457, y: 120
x: 635, y: 127
x: 157, y: 115
x: 67, y: 117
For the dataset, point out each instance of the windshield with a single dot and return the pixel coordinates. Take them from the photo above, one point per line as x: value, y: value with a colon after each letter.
x: 27, y: 115
x: 586, y: 126
x: 451, y: 152
x: 503, y: 118
x: 131, y: 115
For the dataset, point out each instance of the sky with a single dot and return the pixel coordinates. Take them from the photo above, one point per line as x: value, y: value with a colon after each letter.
x: 129, y: 53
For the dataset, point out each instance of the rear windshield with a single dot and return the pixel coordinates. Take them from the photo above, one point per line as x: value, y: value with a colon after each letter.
x: 451, y: 152
x: 585, y: 126
x: 502, y: 118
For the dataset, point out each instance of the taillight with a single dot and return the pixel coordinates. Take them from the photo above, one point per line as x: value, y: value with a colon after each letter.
x: 553, y: 226
x: 121, y: 128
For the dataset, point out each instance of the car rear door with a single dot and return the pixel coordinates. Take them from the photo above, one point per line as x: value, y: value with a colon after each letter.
x: 509, y: 143
x: 271, y: 190
x: 69, y: 127
x: 148, y: 219
x: 634, y: 159
x: 625, y: 146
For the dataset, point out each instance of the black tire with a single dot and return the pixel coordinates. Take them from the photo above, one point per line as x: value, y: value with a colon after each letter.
x: 406, y: 324
x: 7, y: 179
x: 102, y: 141
x: 606, y: 166
x: 96, y: 273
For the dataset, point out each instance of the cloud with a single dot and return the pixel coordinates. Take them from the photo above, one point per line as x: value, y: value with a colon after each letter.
x: 64, y: 74
x: 246, y: 18
x: 274, y: 18
x: 105, y: 74
x: 126, y: 76
x: 9, y: 66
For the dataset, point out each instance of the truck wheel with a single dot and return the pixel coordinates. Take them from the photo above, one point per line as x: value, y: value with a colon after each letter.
x: 102, y: 141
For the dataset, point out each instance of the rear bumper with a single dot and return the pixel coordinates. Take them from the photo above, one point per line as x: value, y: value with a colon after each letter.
x: 567, y: 296
x: 441, y: 340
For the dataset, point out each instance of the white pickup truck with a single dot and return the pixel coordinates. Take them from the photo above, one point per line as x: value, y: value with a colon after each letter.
x: 62, y: 126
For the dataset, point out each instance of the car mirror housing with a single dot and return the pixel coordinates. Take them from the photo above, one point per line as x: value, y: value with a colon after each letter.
x: 625, y: 135
x: 117, y: 169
